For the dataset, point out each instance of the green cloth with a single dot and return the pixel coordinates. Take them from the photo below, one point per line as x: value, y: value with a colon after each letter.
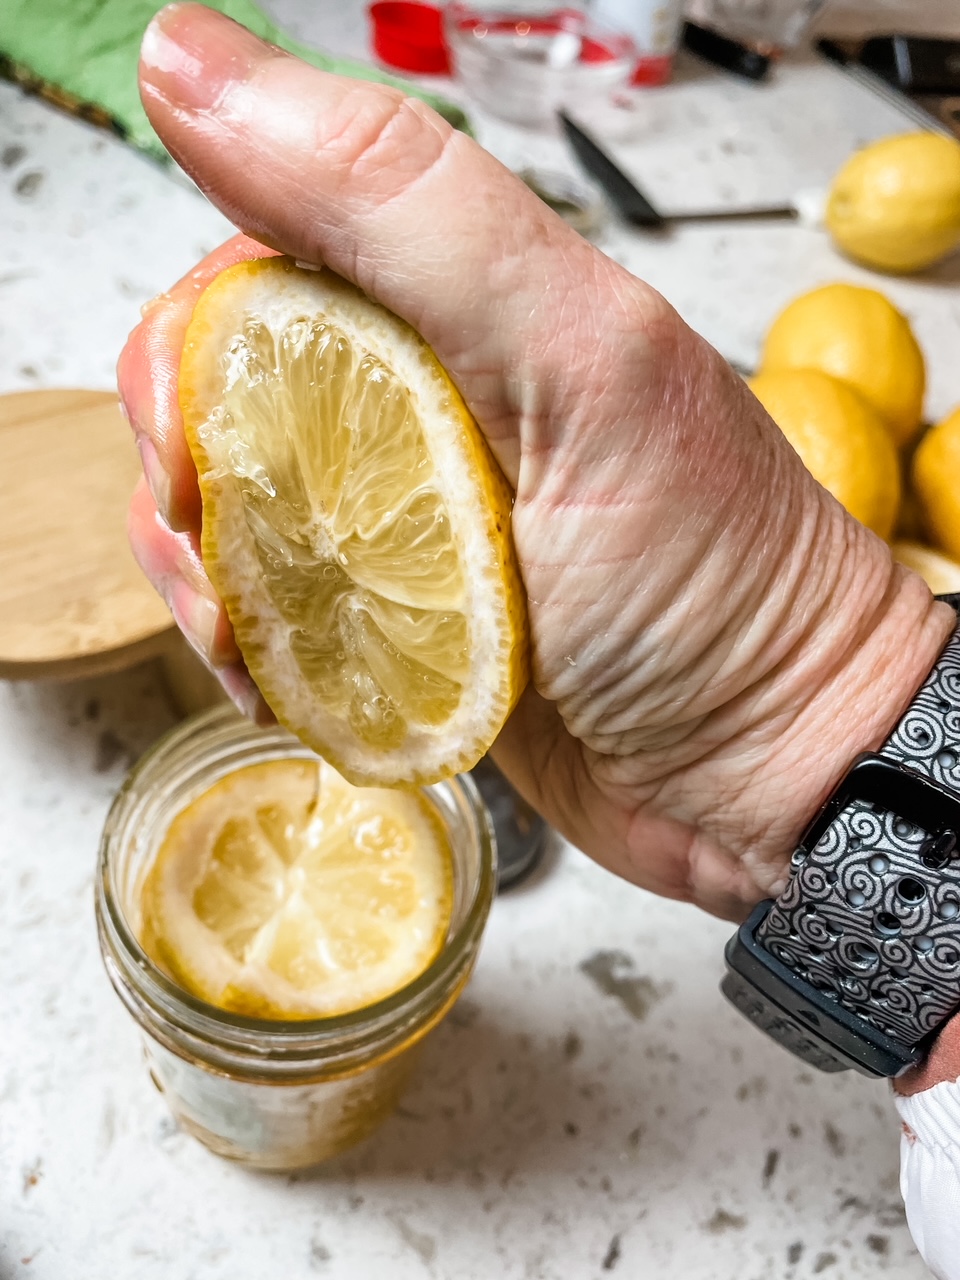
x: 88, y: 49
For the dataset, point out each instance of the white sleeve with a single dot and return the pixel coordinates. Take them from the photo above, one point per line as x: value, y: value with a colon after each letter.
x: 930, y: 1174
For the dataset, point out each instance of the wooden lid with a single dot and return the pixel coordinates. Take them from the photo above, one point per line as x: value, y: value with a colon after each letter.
x: 73, y: 601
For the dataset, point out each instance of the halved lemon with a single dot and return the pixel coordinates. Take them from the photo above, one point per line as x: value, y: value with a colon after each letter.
x: 354, y: 522
x: 939, y: 572
x: 285, y: 892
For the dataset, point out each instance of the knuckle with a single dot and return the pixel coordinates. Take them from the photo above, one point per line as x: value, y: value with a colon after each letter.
x: 385, y: 135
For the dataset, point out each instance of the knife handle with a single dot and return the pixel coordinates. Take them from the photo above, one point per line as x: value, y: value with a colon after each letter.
x: 729, y: 55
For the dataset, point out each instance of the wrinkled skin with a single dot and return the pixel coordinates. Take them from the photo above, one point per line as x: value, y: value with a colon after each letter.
x: 714, y: 639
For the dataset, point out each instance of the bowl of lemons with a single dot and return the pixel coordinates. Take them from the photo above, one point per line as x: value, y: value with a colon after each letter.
x: 843, y: 376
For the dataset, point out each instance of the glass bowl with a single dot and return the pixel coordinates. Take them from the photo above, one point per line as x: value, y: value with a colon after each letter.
x: 524, y: 64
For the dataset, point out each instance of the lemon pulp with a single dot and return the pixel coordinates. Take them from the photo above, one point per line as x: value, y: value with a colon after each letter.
x: 283, y: 892
x: 354, y: 523
x: 352, y: 536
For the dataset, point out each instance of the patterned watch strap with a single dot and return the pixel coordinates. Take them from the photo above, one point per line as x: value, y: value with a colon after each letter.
x: 871, y: 915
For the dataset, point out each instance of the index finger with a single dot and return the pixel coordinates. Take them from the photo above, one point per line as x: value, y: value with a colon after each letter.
x: 147, y: 378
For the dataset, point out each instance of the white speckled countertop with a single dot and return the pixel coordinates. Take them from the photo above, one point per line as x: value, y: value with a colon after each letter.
x: 592, y: 1107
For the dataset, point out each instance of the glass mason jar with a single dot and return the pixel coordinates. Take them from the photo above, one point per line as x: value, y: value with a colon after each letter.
x: 271, y: 1094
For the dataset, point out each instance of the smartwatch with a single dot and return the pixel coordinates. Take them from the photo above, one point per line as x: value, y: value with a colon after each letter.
x: 857, y: 963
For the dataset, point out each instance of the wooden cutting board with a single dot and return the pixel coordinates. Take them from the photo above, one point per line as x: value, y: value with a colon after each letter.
x: 73, y: 601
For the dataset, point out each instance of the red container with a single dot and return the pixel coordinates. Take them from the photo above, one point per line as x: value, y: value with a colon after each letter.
x: 652, y: 69
x: 409, y: 36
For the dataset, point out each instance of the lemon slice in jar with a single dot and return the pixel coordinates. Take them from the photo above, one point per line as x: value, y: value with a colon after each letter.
x: 284, y: 892
x: 355, y: 524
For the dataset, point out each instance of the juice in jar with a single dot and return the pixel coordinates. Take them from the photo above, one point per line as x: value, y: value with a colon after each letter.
x: 285, y: 940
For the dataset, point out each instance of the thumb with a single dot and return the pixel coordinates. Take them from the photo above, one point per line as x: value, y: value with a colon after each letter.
x: 380, y: 188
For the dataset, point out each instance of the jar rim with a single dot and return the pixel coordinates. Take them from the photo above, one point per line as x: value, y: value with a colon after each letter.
x: 154, y: 991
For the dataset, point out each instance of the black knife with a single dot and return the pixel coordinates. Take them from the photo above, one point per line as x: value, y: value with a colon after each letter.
x: 634, y: 206
x: 623, y: 194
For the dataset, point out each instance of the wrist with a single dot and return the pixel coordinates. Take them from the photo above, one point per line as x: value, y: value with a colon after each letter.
x: 854, y: 963
x: 872, y: 632
x: 722, y: 641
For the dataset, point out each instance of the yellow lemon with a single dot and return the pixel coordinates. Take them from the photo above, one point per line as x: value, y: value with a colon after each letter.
x: 895, y: 204
x: 859, y: 336
x: 840, y: 440
x: 355, y: 524
x: 940, y: 573
x: 936, y: 469
x: 284, y: 892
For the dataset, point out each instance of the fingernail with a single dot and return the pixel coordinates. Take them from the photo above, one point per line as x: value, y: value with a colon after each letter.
x: 198, y: 619
x: 245, y: 695
x: 158, y: 482
x: 192, y: 56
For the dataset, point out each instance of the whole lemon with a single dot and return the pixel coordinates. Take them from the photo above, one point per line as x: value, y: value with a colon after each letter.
x: 840, y: 440
x: 936, y: 468
x: 895, y: 204
x: 859, y: 336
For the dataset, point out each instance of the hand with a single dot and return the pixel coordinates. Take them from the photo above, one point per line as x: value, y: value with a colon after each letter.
x: 164, y: 517
x: 714, y: 639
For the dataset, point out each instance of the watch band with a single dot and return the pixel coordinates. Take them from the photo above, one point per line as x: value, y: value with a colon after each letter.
x: 857, y: 963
